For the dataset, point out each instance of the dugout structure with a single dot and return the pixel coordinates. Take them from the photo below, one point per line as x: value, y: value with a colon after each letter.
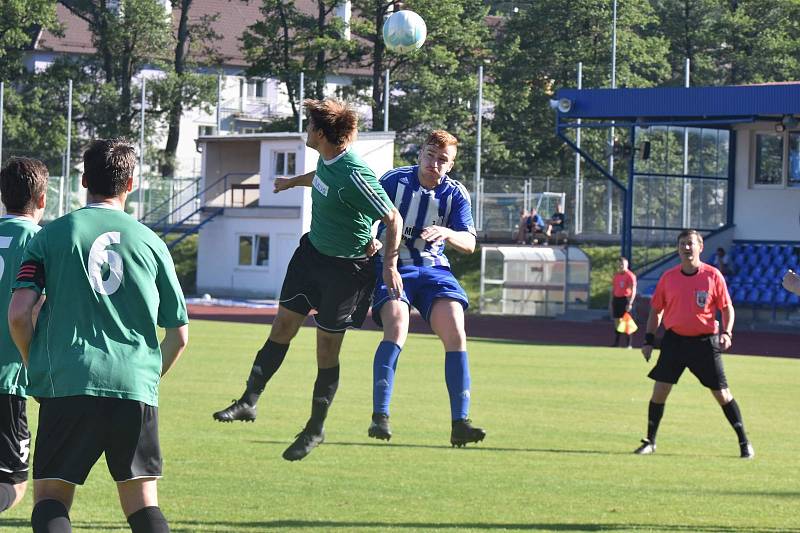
x: 533, y: 280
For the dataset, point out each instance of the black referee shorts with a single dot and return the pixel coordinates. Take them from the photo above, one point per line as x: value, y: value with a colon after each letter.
x: 74, y: 431
x: 619, y: 304
x: 15, y: 439
x: 340, y: 289
x: 701, y: 355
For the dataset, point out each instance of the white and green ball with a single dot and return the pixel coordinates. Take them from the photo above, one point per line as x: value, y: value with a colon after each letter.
x: 404, y: 31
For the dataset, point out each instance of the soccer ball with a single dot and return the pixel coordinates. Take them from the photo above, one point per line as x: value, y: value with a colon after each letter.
x: 404, y: 31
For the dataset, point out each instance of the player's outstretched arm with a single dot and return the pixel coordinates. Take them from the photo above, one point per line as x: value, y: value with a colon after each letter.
x: 20, y: 319
x: 791, y: 282
x: 461, y: 241
x: 175, y: 341
x: 303, y: 180
x: 394, y: 230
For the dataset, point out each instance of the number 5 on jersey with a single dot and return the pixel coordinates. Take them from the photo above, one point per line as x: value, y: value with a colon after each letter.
x: 100, y: 256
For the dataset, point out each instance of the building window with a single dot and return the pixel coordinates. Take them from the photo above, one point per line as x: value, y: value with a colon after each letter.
x: 253, y: 250
x: 255, y: 89
x: 205, y: 131
x: 793, y: 179
x: 249, y: 129
x: 285, y: 163
x: 768, y: 159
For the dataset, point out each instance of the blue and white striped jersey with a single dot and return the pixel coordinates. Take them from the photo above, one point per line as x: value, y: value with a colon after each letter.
x: 447, y: 205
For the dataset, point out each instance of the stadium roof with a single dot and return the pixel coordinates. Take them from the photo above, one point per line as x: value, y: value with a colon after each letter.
x: 682, y: 104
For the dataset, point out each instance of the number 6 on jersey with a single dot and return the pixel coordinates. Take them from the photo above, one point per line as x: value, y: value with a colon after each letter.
x: 99, y: 256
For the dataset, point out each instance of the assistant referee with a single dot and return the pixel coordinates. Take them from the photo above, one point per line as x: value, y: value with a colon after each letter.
x: 688, y: 297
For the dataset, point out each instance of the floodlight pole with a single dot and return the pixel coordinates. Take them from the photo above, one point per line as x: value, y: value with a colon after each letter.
x: 67, y: 165
x: 141, y: 153
x: 300, y: 103
x: 386, y: 102
x: 479, y: 111
x: 2, y: 91
x: 219, y: 104
x: 687, y: 193
x: 610, y: 202
x: 578, y: 187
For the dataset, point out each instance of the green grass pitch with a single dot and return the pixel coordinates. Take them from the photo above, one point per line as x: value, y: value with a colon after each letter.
x: 562, y: 422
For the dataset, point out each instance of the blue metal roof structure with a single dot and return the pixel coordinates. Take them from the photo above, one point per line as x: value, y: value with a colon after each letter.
x: 678, y: 104
x: 719, y: 107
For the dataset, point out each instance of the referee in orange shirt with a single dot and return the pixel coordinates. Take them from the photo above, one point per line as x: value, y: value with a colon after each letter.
x: 623, y: 292
x: 688, y: 297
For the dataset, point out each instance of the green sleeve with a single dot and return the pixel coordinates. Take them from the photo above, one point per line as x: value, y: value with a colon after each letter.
x: 365, y: 193
x: 171, y: 306
x: 34, y: 252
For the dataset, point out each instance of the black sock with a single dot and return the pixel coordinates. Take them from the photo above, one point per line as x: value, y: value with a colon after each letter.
x: 148, y: 520
x: 616, y: 338
x: 7, y: 496
x: 654, y: 413
x: 630, y: 340
x: 734, y: 416
x: 268, y: 360
x: 50, y: 516
x: 324, y: 390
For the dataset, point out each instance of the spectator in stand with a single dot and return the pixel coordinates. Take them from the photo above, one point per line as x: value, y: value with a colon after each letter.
x: 556, y: 232
x: 623, y: 292
x: 791, y: 282
x: 531, y: 228
x: 722, y: 262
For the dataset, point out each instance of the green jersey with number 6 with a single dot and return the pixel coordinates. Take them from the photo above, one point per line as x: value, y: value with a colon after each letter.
x: 110, y: 282
x: 15, y: 232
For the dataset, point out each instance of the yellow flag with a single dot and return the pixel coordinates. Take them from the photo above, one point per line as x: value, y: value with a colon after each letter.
x: 626, y: 324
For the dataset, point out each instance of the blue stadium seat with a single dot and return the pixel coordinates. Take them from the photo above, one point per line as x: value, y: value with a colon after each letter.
x: 793, y: 300
x: 757, y: 274
x: 739, y: 295
x: 767, y: 297
x: 753, y: 297
x: 752, y: 260
x: 781, y: 298
x: 739, y: 260
x: 776, y: 249
x: 771, y: 272
x: 765, y: 260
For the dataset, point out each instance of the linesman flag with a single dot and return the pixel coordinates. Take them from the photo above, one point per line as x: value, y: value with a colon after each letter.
x: 626, y: 324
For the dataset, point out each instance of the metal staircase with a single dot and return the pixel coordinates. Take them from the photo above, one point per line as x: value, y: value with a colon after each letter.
x: 183, y: 214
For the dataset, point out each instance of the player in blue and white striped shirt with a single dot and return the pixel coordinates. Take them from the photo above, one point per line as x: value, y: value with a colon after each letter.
x: 436, y: 212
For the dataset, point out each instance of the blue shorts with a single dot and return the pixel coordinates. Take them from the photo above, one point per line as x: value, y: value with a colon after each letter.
x: 421, y: 286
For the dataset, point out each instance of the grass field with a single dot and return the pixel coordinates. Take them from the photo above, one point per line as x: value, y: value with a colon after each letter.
x: 561, y: 424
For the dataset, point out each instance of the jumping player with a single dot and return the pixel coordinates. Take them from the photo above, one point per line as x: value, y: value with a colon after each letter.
x: 23, y: 189
x: 436, y: 212
x: 329, y: 271
x: 688, y: 297
x: 94, y: 359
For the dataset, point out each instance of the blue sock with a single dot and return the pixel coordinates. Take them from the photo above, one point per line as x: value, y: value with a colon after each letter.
x: 383, y: 369
x: 456, y: 375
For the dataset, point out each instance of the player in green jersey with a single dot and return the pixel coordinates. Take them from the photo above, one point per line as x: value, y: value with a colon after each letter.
x: 329, y: 271
x: 94, y: 360
x: 23, y: 189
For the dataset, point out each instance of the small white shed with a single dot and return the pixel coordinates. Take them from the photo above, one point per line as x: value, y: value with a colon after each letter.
x: 245, y: 245
x: 533, y: 280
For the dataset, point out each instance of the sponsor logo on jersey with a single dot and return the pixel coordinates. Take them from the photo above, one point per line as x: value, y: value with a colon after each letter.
x: 320, y: 186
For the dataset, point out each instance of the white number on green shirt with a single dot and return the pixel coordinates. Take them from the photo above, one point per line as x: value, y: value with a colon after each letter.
x: 100, y: 256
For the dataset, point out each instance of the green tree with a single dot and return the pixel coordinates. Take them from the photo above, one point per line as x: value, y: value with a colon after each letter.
x: 288, y: 41
x: 538, y: 50
x: 20, y: 21
x: 184, y: 87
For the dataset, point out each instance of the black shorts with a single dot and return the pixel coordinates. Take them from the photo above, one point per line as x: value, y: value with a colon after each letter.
x: 339, y: 289
x: 15, y: 439
x: 701, y: 355
x: 619, y: 305
x: 75, y: 430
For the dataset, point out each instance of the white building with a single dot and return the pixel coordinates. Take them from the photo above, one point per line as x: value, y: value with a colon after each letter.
x: 248, y: 233
x: 244, y: 103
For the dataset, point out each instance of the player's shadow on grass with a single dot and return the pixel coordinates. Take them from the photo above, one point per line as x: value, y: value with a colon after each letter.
x: 470, y: 447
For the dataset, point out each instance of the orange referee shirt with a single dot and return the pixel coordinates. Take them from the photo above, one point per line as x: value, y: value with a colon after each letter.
x: 623, y: 283
x: 690, y: 303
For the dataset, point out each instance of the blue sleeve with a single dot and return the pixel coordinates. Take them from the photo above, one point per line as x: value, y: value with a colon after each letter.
x: 389, y: 183
x: 461, y: 212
